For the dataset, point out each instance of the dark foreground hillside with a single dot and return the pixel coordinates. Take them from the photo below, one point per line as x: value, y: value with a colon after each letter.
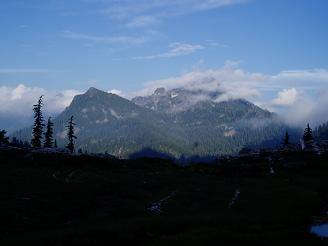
x: 62, y: 200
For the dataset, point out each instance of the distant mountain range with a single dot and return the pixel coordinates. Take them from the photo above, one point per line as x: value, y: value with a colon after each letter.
x: 177, y: 122
x: 11, y: 122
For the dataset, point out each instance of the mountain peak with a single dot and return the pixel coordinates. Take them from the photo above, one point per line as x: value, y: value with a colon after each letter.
x: 160, y: 91
x: 92, y: 91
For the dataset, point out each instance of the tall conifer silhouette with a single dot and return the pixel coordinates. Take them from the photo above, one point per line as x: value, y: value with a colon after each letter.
x: 49, y: 141
x: 38, y: 124
x: 70, y: 134
x: 286, y: 141
x: 3, y: 138
x: 308, y: 138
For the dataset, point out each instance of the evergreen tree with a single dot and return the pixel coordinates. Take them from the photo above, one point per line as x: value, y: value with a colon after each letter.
x: 26, y: 144
x: 15, y: 142
x: 286, y: 141
x: 19, y: 143
x: 70, y: 134
x: 55, y: 144
x: 38, y: 124
x: 3, y: 138
x: 48, y: 142
x: 308, y: 137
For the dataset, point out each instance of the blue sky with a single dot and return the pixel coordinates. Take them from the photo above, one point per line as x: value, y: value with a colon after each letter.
x: 66, y: 46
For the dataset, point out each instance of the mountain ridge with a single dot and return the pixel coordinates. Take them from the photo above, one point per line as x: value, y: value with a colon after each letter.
x: 109, y: 123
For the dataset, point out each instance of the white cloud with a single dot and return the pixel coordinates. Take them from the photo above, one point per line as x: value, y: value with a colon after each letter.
x: 213, y: 4
x: 198, y: 64
x: 130, y: 40
x: 214, y: 43
x: 143, y: 21
x: 117, y: 92
x: 175, y: 49
x: 319, y: 75
x: 238, y: 93
x: 55, y: 102
x: 286, y: 97
x: 156, y: 11
x: 307, y: 109
x: 18, y: 100
x: 229, y: 78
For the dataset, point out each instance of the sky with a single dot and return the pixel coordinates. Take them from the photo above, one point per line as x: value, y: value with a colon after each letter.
x: 271, y: 52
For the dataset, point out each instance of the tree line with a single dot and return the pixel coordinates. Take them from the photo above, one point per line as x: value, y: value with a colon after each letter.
x: 38, y: 126
x: 307, y: 140
x: 41, y: 138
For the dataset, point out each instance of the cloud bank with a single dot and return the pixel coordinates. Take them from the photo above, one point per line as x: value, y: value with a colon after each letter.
x: 18, y: 100
x: 299, y: 96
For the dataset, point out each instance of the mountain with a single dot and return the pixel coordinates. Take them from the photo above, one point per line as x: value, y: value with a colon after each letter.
x: 176, y: 122
x: 192, y: 108
x: 173, y: 101
x: 216, y: 127
x: 106, y: 122
x: 13, y: 122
